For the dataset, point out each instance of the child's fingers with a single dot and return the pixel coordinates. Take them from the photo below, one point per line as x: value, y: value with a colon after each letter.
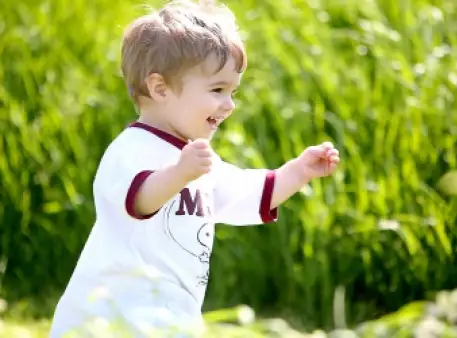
x: 316, y: 151
x: 200, y: 144
x: 204, y: 153
x: 332, y: 166
x: 332, y: 152
x: 334, y: 159
x: 327, y: 145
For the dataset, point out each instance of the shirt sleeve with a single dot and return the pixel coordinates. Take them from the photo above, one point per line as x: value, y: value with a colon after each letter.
x: 243, y: 196
x: 122, y: 180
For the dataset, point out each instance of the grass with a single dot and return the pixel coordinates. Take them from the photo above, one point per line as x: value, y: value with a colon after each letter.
x: 427, y: 319
x: 24, y: 329
x: 378, y: 78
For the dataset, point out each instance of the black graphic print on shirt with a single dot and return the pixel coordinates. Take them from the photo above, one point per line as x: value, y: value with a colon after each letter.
x: 195, y: 234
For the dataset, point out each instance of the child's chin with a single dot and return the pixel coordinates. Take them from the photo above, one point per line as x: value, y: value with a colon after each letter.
x: 202, y: 137
x: 208, y: 136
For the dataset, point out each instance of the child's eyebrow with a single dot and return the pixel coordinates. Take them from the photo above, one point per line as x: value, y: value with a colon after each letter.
x: 222, y: 83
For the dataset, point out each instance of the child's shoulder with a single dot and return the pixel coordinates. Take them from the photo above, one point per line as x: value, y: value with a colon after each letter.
x: 133, y: 144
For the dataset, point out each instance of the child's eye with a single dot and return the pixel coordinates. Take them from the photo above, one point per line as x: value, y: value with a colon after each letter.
x: 217, y: 90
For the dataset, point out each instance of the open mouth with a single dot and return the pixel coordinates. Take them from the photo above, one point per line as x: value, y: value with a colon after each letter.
x: 214, y: 121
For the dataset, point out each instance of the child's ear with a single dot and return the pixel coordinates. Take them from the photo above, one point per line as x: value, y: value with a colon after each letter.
x: 158, y: 89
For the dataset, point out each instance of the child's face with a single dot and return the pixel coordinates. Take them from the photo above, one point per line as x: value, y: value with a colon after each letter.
x: 204, y: 101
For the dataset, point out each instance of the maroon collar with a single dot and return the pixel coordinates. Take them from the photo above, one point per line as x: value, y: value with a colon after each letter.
x: 177, y: 142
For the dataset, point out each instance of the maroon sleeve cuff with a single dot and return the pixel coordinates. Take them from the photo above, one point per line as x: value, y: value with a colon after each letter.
x: 132, y: 192
x: 266, y: 213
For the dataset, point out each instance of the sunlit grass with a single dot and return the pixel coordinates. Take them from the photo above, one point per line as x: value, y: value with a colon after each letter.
x: 422, y: 319
x: 377, y: 78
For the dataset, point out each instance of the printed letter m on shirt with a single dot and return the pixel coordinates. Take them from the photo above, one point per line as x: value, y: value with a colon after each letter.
x: 186, y: 202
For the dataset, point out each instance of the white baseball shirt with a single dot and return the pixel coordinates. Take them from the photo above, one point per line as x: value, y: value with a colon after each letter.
x: 142, y: 268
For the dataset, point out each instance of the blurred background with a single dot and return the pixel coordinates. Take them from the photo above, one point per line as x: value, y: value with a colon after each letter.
x: 378, y: 78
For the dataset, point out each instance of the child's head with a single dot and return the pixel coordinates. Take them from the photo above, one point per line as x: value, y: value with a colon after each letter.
x: 184, y: 43
x: 185, y: 59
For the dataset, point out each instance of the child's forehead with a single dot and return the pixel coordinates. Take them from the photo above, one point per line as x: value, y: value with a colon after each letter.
x: 208, y: 71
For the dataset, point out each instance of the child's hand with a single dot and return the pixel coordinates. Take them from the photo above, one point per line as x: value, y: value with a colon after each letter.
x: 318, y: 161
x: 195, y: 160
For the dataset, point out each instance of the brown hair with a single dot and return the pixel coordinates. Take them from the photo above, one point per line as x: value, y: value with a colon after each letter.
x: 179, y: 36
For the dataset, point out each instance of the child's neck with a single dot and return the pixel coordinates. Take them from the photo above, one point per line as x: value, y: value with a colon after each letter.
x: 152, y: 116
x: 157, y: 120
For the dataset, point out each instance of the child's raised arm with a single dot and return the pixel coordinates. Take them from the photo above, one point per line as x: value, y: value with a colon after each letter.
x: 196, y: 160
x: 314, y: 162
x: 161, y: 185
x: 252, y: 196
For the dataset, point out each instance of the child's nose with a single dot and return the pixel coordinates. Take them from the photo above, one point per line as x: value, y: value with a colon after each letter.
x: 228, y: 104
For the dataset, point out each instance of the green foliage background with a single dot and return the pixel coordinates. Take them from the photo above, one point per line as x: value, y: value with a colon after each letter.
x: 378, y: 78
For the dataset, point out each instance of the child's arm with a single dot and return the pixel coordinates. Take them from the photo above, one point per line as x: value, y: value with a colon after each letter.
x: 157, y: 189
x: 252, y: 196
x: 314, y: 162
x: 161, y: 185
